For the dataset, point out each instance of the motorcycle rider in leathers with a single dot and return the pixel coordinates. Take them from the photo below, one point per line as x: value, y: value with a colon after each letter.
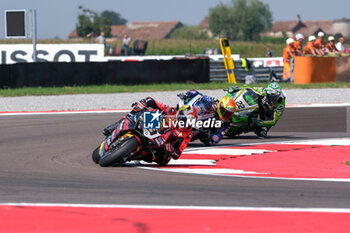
x: 271, y: 100
x: 222, y: 109
x: 174, y: 140
x: 268, y: 98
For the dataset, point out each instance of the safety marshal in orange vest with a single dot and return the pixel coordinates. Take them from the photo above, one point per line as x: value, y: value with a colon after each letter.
x: 288, y: 56
x: 297, y: 44
x: 319, y: 44
x: 309, y: 47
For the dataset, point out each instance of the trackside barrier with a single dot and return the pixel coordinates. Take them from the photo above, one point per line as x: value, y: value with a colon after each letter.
x: 50, y: 74
x: 342, y: 66
x: 321, y: 69
x: 261, y: 68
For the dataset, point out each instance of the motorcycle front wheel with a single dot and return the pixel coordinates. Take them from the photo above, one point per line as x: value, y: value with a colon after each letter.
x: 96, y: 155
x: 120, y: 153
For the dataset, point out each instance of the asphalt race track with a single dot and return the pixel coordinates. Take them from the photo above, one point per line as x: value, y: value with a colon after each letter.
x: 46, y: 158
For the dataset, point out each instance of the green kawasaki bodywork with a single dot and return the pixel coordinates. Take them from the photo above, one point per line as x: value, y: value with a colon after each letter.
x: 247, y: 107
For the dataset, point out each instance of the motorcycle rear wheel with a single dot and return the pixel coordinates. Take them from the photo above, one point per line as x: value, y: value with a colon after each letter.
x: 120, y: 154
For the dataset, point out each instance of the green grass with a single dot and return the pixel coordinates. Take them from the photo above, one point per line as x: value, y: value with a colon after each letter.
x: 94, y: 89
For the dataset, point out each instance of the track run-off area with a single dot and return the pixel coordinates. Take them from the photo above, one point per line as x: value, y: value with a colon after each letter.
x: 295, y: 180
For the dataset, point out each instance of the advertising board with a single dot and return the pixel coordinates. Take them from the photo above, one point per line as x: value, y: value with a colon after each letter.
x: 22, y: 53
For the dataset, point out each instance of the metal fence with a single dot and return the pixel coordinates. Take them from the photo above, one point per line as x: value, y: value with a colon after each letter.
x: 261, y: 72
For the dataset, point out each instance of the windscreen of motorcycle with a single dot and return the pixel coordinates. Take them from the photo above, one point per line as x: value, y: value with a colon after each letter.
x: 246, y: 100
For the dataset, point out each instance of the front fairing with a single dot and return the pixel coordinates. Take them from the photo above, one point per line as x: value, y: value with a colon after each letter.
x: 246, y: 101
x: 130, y: 123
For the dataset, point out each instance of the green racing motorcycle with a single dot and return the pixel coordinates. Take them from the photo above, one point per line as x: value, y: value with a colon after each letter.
x: 256, y: 110
x: 249, y: 116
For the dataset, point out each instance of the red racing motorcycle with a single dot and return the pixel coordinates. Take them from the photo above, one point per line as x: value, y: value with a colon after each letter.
x: 136, y: 137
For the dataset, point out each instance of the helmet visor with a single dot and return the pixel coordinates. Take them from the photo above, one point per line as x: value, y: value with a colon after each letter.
x: 226, y: 114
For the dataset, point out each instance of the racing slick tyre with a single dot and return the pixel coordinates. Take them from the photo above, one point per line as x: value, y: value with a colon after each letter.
x: 120, y: 153
x: 96, y: 155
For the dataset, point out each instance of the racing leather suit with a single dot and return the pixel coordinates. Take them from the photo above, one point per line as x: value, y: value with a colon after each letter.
x: 207, y: 109
x: 174, y: 140
x: 268, y: 115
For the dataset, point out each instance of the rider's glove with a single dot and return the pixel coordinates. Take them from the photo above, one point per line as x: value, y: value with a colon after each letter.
x: 160, y: 141
x: 182, y: 96
x: 169, y: 148
x: 215, y: 102
x: 267, y: 104
x: 140, y: 104
x: 257, y: 122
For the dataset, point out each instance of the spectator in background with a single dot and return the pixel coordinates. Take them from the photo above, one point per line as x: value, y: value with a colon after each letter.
x: 309, y: 47
x: 330, y: 46
x: 269, y: 52
x: 297, y: 44
x: 340, y: 45
x: 125, y: 44
x: 288, y: 56
x: 91, y: 36
x: 101, y: 39
x: 319, y: 44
